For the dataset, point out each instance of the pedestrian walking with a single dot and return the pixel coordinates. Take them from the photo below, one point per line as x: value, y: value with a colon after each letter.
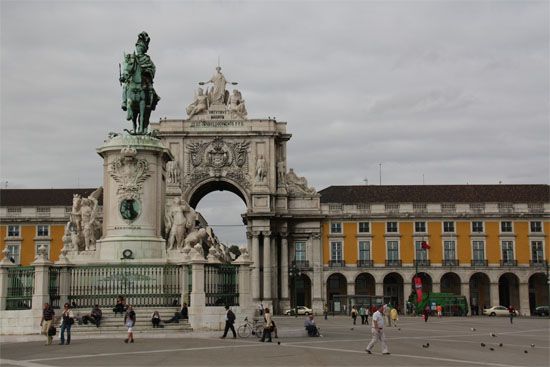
x: 394, y: 316
x: 48, y: 315
x: 229, y: 321
x: 512, y: 312
x: 426, y: 313
x: 368, y: 314
x: 439, y: 310
x: 354, y: 315
x: 387, y: 314
x: 363, y: 314
x: 377, y: 330
x: 268, y: 326
x: 325, y: 311
x: 130, y: 321
x: 67, y: 320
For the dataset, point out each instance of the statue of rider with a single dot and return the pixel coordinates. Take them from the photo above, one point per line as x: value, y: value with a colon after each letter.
x: 147, y: 75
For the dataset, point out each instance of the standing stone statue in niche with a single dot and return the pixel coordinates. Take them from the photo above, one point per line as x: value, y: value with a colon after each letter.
x: 281, y: 173
x: 138, y: 95
x: 174, y: 172
x: 236, y: 104
x: 261, y: 168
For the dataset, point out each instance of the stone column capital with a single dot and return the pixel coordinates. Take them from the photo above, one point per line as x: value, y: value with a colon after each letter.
x: 267, y: 233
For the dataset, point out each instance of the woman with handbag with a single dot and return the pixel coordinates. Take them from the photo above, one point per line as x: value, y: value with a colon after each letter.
x: 130, y: 321
x: 67, y: 320
x: 268, y: 326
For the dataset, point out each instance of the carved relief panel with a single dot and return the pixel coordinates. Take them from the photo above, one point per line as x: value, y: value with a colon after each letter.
x: 217, y: 158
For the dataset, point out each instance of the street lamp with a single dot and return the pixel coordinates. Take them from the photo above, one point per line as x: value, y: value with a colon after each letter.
x: 294, y: 272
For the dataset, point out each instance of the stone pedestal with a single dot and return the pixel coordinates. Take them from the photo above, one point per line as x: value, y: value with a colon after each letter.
x: 134, y: 176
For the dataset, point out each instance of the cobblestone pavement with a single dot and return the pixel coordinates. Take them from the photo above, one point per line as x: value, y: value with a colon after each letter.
x: 452, y: 342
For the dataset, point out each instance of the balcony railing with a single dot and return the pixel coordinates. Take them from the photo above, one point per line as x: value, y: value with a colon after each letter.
x: 537, y: 263
x: 364, y: 263
x: 422, y: 262
x: 393, y: 263
x: 301, y: 264
x: 480, y: 262
x: 450, y: 262
x: 336, y: 263
x: 508, y: 263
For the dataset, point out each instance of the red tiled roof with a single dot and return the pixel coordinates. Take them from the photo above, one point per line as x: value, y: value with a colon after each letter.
x: 436, y: 194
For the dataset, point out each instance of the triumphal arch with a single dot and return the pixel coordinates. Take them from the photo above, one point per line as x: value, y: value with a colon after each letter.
x: 219, y: 147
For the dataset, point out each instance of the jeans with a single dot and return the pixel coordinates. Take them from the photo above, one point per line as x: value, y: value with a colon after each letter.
x: 65, y: 326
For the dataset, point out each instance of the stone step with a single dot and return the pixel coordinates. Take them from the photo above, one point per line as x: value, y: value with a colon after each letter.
x: 83, y: 329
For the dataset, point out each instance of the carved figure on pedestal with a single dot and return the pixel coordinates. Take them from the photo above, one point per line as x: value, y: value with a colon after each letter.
x: 177, y: 224
x: 217, y: 94
x: 200, y: 104
x: 195, y: 238
x: 298, y: 185
x: 84, y: 228
x: 261, y: 168
x: 281, y: 173
x: 236, y: 104
x: 174, y: 172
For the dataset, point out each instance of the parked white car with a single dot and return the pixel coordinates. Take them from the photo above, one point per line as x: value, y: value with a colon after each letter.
x: 498, y: 311
x: 302, y: 310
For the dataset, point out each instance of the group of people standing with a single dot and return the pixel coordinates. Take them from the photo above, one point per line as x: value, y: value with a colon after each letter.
x: 390, y: 313
x: 48, y: 320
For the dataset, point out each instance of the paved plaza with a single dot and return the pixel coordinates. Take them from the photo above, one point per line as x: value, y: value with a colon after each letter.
x: 452, y: 342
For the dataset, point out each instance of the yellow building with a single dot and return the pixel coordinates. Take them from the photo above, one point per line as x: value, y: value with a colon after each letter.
x: 487, y: 242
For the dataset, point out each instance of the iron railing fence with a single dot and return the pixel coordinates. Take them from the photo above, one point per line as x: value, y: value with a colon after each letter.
x: 221, y: 285
x: 20, y: 288
x: 142, y: 285
x: 53, y: 286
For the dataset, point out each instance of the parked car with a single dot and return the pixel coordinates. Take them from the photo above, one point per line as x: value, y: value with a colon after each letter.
x: 498, y: 311
x: 542, y: 311
x: 302, y: 310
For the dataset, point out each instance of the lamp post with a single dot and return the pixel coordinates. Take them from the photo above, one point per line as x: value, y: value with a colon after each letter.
x: 294, y: 272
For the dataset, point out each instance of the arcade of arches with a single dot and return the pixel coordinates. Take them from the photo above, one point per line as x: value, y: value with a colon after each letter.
x: 480, y: 292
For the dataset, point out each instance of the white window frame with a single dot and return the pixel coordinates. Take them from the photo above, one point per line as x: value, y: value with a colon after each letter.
x: 445, y: 249
x: 513, y: 249
x: 482, y: 226
x: 8, y: 235
x: 418, y: 243
x: 359, y: 249
x: 443, y: 226
x: 296, y: 252
x: 341, y: 227
x: 359, y: 227
x: 18, y: 257
x: 484, y: 249
x: 341, y: 243
x: 398, y: 249
x: 47, y: 226
x: 541, y: 227
x: 425, y: 226
x: 511, y: 227
x: 397, y: 227
x: 531, y: 249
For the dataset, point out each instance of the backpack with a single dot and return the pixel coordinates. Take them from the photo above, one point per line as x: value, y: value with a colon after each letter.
x: 230, y: 316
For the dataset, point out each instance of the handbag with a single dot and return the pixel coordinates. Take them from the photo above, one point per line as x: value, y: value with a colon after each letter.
x: 71, y: 320
x: 52, y: 331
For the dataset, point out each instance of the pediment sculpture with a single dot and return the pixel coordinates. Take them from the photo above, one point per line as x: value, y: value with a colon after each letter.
x: 217, y: 97
x: 298, y: 185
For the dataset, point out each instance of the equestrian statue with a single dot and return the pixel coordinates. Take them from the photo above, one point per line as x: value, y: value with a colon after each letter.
x: 138, y: 95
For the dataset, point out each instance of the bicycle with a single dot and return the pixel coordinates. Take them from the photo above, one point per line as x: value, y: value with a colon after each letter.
x: 248, y: 328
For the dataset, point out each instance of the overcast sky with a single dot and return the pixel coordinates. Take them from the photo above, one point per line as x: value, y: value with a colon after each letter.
x: 455, y: 92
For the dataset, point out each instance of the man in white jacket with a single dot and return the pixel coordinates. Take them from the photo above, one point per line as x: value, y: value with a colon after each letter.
x: 378, y: 331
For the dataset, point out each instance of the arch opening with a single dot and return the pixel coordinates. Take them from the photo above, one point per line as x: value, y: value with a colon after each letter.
x: 538, y: 291
x: 480, y: 292
x: 365, y: 284
x: 393, y: 290
x: 508, y: 290
x: 207, y: 187
x: 450, y: 283
x: 302, y: 292
x: 337, y: 292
